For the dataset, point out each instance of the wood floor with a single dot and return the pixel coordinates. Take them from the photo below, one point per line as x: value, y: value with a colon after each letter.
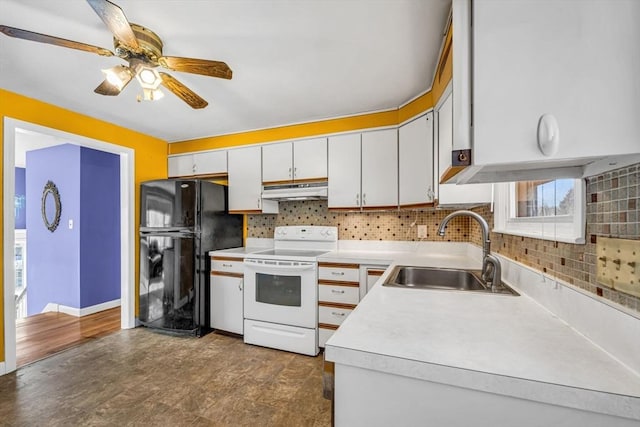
x: 44, y: 334
x: 137, y: 377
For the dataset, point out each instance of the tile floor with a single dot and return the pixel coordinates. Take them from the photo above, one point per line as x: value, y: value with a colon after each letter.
x: 140, y: 377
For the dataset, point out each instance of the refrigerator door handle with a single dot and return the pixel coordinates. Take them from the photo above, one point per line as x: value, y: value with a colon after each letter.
x: 186, y: 234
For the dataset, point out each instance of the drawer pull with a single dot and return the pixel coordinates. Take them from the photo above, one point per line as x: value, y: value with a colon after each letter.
x: 338, y: 273
x: 335, y: 313
x: 227, y: 265
x: 336, y: 291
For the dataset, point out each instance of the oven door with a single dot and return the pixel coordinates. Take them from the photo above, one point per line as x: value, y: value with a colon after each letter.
x: 282, y: 292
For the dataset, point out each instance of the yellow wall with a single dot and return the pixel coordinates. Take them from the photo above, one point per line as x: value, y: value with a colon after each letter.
x: 305, y: 130
x: 150, y: 152
x: 444, y: 70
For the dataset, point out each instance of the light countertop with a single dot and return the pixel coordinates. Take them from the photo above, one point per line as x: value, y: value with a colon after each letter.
x: 497, y: 343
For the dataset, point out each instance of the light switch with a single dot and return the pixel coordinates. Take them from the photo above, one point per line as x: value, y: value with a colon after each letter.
x: 619, y: 264
x: 422, y: 232
x: 70, y: 224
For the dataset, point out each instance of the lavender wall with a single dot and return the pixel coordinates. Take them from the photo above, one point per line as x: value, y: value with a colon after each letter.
x: 20, y: 198
x: 99, y: 227
x: 53, y: 259
x: 77, y: 267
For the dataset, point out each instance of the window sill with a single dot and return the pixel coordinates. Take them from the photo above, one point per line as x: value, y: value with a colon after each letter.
x: 554, y: 237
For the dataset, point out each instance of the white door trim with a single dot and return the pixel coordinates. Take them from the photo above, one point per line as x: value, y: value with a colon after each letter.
x: 127, y: 242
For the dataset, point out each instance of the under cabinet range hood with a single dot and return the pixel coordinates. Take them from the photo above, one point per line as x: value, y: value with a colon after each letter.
x: 295, y: 191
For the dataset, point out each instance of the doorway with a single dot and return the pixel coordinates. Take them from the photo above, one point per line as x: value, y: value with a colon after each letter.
x: 127, y: 255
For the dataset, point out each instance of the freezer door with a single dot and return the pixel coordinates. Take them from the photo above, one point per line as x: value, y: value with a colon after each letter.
x: 169, y: 204
x: 169, y: 283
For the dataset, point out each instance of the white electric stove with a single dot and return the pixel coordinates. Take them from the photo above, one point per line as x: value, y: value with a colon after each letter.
x: 281, y: 289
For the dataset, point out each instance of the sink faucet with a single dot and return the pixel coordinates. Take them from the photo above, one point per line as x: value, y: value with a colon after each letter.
x: 491, y: 269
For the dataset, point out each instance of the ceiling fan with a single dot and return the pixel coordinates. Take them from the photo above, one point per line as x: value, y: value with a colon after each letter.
x: 142, y: 49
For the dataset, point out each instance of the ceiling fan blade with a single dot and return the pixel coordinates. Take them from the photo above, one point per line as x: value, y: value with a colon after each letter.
x: 197, y: 66
x: 183, y: 92
x: 57, y: 41
x: 116, y: 21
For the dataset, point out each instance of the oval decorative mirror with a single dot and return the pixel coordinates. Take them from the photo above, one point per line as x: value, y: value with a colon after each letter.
x: 51, y: 206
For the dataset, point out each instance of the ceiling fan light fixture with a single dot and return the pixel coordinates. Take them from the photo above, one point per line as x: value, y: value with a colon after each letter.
x: 152, y: 94
x: 148, y: 78
x: 118, y: 76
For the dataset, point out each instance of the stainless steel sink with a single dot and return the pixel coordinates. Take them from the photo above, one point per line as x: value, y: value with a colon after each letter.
x: 440, y: 278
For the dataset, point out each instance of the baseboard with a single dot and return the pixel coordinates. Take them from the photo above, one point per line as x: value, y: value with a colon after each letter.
x: 81, y: 312
x: 2, y: 369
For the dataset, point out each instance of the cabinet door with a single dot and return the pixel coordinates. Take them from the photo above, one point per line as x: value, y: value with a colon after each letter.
x: 277, y: 163
x: 344, y: 171
x: 181, y: 165
x: 453, y: 194
x: 310, y: 159
x: 245, y: 180
x: 226, y: 303
x: 576, y: 60
x: 210, y: 163
x: 415, y: 157
x: 380, y: 169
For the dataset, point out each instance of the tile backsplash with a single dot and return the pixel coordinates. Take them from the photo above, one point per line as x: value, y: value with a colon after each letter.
x: 613, y: 205
x: 387, y: 225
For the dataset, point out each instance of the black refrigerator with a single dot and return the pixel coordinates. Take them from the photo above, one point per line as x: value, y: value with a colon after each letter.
x: 181, y: 220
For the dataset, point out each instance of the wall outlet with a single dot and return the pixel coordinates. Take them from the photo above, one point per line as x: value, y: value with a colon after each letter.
x: 422, y: 232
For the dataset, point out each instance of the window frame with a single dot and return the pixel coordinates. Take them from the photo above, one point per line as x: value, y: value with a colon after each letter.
x: 564, y: 228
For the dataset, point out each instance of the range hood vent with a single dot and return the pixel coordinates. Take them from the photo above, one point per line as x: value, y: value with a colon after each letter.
x: 300, y: 191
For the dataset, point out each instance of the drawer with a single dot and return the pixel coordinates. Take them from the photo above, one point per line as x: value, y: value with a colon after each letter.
x: 341, y: 294
x: 323, y: 335
x: 339, y: 273
x: 332, y: 315
x: 227, y: 264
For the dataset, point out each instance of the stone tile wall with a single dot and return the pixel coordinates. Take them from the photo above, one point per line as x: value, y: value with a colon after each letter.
x: 613, y: 202
x: 388, y: 225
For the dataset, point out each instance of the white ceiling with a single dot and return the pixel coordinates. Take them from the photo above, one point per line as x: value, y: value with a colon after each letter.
x: 292, y: 61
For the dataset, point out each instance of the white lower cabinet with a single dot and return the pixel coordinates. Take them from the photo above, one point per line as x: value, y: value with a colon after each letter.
x: 338, y: 295
x: 226, y: 303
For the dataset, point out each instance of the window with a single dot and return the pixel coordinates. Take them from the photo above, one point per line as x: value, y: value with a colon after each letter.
x: 543, y: 209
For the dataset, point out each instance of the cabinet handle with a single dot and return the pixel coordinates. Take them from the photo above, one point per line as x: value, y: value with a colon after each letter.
x: 258, y: 203
x: 430, y: 194
x: 289, y: 172
x: 357, y: 199
x: 227, y: 265
x: 295, y: 172
x: 193, y: 168
x: 240, y: 285
x: 364, y: 199
x: 335, y: 313
x: 338, y: 273
x: 335, y: 291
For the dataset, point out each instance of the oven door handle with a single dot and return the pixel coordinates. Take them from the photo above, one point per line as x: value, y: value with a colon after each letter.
x: 263, y: 267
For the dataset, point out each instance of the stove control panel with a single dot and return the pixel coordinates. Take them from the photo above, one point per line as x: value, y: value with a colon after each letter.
x: 313, y: 233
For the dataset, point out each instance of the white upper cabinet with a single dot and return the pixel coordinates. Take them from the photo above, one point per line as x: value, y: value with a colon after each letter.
x: 344, y: 171
x: 380, y: 169
x: 245, y: 182
x: 181, y: 165
x: 310, y: 159
x: 207, y: 163
x: 277, y: 162
x: 452, y: 194
x: 555, y: 84
x: 363, y: 170
x: 295, y: 161
x: 415, y: 159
